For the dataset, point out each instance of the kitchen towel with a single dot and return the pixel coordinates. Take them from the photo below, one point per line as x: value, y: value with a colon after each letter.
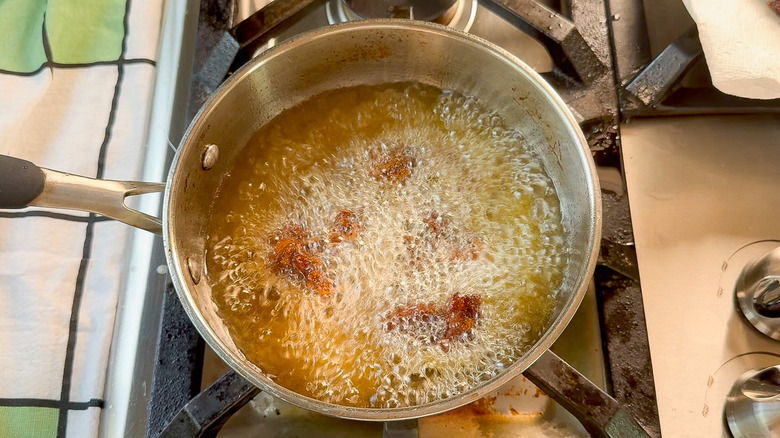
x: 741, y: 41
x: 75, y: 88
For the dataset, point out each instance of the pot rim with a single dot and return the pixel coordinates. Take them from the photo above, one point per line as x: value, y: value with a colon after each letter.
x: 385, y: 414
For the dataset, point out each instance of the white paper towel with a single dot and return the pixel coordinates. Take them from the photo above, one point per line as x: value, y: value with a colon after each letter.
x: 741, y: 42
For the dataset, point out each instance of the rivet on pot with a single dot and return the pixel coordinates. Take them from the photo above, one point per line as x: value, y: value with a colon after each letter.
x: 209, y: 157
x: 192, y: 267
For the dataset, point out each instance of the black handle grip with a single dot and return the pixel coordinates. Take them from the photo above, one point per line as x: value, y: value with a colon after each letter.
x: 20, y: 182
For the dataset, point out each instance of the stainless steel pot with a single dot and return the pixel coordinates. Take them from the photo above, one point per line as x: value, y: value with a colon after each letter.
x: 365, y: 52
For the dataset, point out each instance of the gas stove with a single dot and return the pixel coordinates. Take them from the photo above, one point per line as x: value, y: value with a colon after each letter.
x: 667, y: 350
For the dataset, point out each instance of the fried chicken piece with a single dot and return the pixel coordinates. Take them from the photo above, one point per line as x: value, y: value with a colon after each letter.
x: 423, y: 320
x: 437, y: 224
x: 441, y: 325
x: 413, y: 316
x: 440, y: 227
x: 296, y: 232
x: 317, y: 280
x: 471, y: 251
x: 289, y: 242
x: 291, y: 257
x: 346, y: 227
x: 462, y: 315
x: 396, y: 168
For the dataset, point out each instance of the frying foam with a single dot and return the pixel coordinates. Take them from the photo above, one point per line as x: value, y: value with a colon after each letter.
x: 469, y: 168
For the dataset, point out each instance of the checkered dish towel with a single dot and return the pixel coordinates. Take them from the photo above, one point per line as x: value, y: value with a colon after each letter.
x: 76, y: 79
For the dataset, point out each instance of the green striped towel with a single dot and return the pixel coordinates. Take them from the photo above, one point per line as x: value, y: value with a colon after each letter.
x: 76, y: 78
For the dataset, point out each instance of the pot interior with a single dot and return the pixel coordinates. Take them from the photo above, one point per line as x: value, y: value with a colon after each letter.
x: 364, y: 53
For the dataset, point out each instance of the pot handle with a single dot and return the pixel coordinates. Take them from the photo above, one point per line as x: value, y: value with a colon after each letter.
x: 24, y: 184
x: 600, y: 414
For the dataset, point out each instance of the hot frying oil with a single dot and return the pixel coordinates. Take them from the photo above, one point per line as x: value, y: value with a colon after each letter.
x: 386, y: 246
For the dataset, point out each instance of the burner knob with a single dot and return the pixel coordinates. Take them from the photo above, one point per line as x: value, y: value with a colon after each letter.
x: 758, y: 293
x: 753, y: 404
x: 767, y: 298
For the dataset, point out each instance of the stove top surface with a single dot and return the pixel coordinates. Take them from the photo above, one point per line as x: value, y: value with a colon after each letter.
x: 700, y: 191
x: 703, y: 192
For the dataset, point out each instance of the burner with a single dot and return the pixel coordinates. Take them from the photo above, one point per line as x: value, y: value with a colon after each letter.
x: 458, y: 14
